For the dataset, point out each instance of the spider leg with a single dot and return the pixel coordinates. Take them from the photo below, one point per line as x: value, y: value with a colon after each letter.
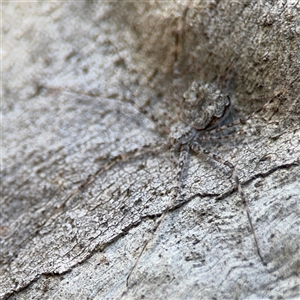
x: 174, y: 149
x: 182, y: 170
x: 110, y: 163
x: 245, y: 202
x: 214, y: 138
x: 178, y: 40
x: 196, y: 147
x: 175, y: 199
x: 250, y: 116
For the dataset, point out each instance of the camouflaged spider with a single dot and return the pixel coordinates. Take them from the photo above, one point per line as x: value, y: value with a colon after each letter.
x: 205, y: 112
x: 204, y: 108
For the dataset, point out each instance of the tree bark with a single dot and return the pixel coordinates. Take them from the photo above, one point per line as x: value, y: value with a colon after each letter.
x: 91, y: 92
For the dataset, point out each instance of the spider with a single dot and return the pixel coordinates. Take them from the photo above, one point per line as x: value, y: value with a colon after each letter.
x: 205, y: 108
x: 205, y: 112
x: 184, y: 138
x: 206, y: 115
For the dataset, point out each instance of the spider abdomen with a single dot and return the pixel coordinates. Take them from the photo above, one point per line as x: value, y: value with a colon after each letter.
x: 204, y: 105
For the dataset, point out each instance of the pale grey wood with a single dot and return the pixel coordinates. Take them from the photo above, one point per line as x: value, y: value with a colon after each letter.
x: 76, y: 211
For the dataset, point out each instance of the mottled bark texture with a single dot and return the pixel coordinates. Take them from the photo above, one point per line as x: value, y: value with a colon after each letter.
x: 85, y: 85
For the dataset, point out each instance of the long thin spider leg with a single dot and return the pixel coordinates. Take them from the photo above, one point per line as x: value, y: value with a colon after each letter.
x: 135, y: 153
x: 228, y: 137
x: 112, y: 161
x: 181, y: 173
x: 195, y: 147
x: 245, y: 202
x: 179, y: 40
x: 250, y: 116
x: 174, y: 149
x: 161, y: 126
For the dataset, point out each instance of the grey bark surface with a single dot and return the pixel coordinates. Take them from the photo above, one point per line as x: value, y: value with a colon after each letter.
x: 90, y: 92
